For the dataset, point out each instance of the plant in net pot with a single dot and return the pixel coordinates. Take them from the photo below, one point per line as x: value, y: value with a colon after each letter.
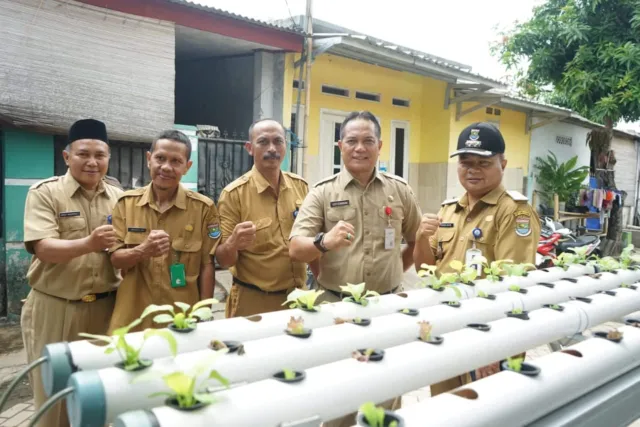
x: 184, y: 320
x: 303, y: 299
x: 369, y: 415
x: 358, y: 294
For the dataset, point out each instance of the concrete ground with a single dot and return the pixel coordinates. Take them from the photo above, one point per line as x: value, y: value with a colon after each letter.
x: 12, y: 359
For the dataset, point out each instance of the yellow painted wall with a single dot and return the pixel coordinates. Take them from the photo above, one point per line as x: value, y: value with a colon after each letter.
x: 512, y: 125
x: 429, y: 122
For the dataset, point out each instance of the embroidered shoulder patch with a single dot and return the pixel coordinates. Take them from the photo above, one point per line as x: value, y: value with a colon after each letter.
x: 523, y: 223
x: 214, y: 230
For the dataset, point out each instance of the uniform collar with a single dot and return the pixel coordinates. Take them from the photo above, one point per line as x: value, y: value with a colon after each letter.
x: 345, y: 177
x: 70, y: 185
x: 179, y: 202
x: 262, y: 184
x: 491, y: 198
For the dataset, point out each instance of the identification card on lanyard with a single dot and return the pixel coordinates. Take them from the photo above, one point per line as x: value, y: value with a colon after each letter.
x: 474, y: 252
x: 177, y: 272
x: 389, y: 232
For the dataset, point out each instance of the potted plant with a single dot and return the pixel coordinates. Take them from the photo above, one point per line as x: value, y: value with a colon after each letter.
x: 493, y: 270
x: 296, y: 328
x: 483, y: 294
x: 231, y: 346
x: 186, y: 394
x: 455, y: 304
x: 555, y: 307
x: 439, y: 284
x: 356, y: 321
x: 410, y: 311
x: 581, y: 256
x: 608, y: 264
x: 369, y: 415
x: 368, y: 355
x: 466, y: 274
x: 517, y: 364
x: 303, y: 299
x: 516, y: 288
x: 358, y: 294
x: 518, y: 314
x: 613, y: 335
x: 129, y: 355
x: 425, y: 334
x: 289, y: 376
x: 627, y: 258
x: 185, y: 320
x: 564, y: 260
x: 517, y: 270
x: 558, y: 178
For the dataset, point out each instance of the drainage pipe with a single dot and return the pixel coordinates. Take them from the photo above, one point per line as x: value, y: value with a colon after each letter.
x: 336, y: 389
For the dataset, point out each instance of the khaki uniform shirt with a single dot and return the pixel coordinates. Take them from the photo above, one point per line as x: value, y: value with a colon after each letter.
x: 266, y: 264
x: 340, y: 197
x: 58, y: 208
x: 192, y: 223
x: 510, y: 229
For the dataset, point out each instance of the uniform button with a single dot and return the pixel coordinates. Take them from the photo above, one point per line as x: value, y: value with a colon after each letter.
x: 366, y: 212
x: 368, y: 232
x: 366, y: 252
x: 186, y: 246
x: 461, y: 239
x: 468, y: 219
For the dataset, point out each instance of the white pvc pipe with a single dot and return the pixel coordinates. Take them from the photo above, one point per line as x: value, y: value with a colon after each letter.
x: 336, y: 389
x: 264, y: 357
x: 562, y: 378
x: 66, y: 358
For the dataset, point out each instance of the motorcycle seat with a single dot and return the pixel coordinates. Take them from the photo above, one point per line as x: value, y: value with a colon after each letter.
x: 580, y: 241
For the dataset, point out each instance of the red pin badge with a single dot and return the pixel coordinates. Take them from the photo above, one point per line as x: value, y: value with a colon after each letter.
x: 387, y: 210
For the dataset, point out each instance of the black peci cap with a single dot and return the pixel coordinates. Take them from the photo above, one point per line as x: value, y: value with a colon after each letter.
x: 88, y: 129
x: 481, y: 139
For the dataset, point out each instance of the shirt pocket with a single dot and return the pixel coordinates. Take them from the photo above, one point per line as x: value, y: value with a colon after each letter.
x: 72, y: 228
x: 187, y: 252
x: 264, y: 236
x: 445, y: 241
x: 132, y: 239
x: 346, y: 213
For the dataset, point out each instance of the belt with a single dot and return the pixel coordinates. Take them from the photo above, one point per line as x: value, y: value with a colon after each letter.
x: 341, y: 295
x: 86, y: 299
x: 255, y: 288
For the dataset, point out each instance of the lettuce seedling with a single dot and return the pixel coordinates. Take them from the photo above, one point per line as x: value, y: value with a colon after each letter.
x: 374, y: 415
x: 358, y: 293
x: 187, y: 317
x: 305, y: 299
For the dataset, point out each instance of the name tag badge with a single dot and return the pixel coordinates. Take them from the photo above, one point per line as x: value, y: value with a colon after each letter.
x: 136, y: 229
x: 338, y: 203
x: 446, y: 225
x: 178, y: 276
x: 68, y: 214
x: 469, y: 255
x: 389, y: 238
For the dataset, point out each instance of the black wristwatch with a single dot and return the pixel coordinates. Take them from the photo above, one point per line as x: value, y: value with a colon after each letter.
x: 318, y: 243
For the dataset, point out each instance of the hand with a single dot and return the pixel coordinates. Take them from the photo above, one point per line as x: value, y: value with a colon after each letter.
x: 488, y: 370
x: 428, y: 225
x: 102, y: 238
x: 337, y: 237
x: 156, y: 244
x: 243, y: 236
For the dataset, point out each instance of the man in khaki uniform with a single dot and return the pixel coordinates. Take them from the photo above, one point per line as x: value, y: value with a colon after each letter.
x: 487, y: 220
x: 66, y: 229
x: 257, y: 212
x: 165, y: 236
x: 354, y: 222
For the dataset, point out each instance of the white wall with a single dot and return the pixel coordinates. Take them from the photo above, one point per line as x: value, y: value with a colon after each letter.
x: 64, y: 61
x: 626, y: 170
x: 543, y: 139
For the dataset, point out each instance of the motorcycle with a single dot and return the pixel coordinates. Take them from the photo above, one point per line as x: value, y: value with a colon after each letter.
x: 556, y: 239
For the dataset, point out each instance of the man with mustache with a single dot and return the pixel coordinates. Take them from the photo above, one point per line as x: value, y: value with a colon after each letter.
x: 66, y: 229
x: 166, y: 236
x: 257, y: 212
x: 487, y: 220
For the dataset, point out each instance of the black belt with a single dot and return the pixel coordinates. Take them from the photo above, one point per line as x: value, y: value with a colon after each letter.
x: 255, y: 288
x: 342, y: 295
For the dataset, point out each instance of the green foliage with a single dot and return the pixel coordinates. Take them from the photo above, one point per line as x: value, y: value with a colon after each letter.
x: 516, y: 311
x: 565, y: 259
x: 563, y: 179
x: 184, y: 386
x: 628, y: 258
x: 517, y: 270
x: 588, y: 50
x: 288, y: 374
x: 446, y: 280
x: 129, y: 354
x: 300, y: 298
x: 515, y: 363
x: 493, y: 270
x: 358, y: 293
x: 374, y: 415
x: 514, y: 288
x: 184, y: 319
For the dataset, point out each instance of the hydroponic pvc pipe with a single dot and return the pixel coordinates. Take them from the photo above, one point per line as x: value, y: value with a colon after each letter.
x: 113, y: 388
x: 67, y: 358
x: 334, y: 390
x: 564, y: 376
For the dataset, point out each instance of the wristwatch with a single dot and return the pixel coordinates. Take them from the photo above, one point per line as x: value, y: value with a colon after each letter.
x: 318, y: 243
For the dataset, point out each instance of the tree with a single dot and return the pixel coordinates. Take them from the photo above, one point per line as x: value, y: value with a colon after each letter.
x: 584, y: 55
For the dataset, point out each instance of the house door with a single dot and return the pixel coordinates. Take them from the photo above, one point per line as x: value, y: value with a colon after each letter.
x: 399, y: 149
x: 330, y: 157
